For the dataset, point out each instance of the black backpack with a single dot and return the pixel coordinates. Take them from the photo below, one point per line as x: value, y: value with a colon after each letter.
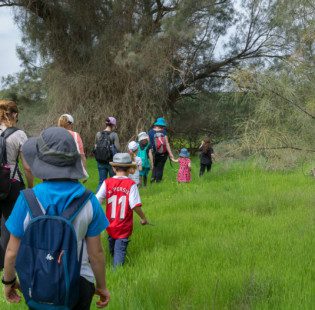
x: 5, y: 172
x: 103, y: 150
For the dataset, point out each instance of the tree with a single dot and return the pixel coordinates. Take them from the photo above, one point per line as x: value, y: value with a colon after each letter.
x: 282, y: 123
x: 136, y: 58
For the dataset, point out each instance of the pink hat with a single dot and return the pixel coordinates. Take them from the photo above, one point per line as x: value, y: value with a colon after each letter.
x: 111, y: 120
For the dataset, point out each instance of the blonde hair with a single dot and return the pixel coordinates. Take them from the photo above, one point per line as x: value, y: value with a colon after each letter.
x: 64, y: 122
x: 7, y: 109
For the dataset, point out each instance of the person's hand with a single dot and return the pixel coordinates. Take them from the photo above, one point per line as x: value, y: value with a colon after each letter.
x: 144, y: 222
x: 10, y: 293
x: 104, y: 297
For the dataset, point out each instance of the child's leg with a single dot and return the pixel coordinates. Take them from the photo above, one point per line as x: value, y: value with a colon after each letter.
x: 111, y: 244
x: 202, y: 169
x: 208, y: 167
x: 120, y: 251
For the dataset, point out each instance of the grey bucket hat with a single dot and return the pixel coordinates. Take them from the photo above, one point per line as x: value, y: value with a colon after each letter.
x: 122, y: 160
x: 53, y: 155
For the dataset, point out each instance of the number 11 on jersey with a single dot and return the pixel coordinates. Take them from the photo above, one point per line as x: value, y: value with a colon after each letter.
x: 121, y: 203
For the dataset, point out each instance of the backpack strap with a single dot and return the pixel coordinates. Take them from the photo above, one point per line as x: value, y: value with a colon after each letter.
x: 5, y: 134
x: 75, y: 206
x: 8, y: 132
x: 33, y: 203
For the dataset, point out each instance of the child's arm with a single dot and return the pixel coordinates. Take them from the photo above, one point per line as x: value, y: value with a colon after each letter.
x: 135, y: 203
x: 140, y: 165
x: 174, y: 160
x: 139, y: 211
x: 189, y: 165
x: 101, y: 194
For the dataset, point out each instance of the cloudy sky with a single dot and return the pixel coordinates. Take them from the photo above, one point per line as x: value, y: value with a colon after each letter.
x: 10, y: 37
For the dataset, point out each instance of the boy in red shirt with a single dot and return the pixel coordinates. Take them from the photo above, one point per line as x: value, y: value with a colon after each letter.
x: 122, y: 198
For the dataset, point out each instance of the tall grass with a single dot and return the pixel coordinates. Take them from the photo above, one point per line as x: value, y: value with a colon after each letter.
x: 238, y: 238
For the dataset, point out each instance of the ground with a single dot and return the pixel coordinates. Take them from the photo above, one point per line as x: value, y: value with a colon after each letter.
x: 239, y: 238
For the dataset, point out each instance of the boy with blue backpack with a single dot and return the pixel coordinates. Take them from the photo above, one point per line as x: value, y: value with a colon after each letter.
x: 55, y: 229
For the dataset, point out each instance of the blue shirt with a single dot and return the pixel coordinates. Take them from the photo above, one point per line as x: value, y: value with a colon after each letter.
x: 54, y: 197
x: 57, y: 195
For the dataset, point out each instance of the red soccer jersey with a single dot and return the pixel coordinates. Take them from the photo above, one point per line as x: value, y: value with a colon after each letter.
x: 122, y: 196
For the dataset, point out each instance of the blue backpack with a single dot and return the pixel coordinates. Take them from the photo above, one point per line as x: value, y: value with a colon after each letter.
x: 48, y: 264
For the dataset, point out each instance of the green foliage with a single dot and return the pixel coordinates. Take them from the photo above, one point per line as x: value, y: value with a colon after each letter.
x: 239, y: 238
x: 215, y: 115
x: 135, y: 59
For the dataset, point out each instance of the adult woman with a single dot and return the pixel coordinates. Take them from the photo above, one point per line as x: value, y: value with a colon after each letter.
x: 66, y: 121
x: 106, y: 145
x: 13, y: 142
x: 161, y: 148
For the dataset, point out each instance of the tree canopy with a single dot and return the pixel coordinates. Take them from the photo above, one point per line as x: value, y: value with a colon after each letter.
x: 137, y: 59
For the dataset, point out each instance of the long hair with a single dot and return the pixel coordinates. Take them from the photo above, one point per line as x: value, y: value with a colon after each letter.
x: 7, y: 109
x: 206, y: 146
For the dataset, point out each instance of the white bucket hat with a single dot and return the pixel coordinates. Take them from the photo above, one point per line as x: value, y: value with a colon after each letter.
x: 132, y: 146
x: 143, y: 136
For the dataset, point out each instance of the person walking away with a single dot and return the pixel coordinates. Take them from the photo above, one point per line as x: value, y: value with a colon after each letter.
x: 145, y: 153
x: 66, y: 121
x: 206, y: 156
x: 55, y: 243
x: 133, y: 150
x: 161, y: 148
x: 122, y: 198
x: 11, y: 181
x: 184, y: 171
x: 106, y: 146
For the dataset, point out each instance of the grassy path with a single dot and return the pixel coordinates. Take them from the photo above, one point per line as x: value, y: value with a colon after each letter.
x: 240, y: 238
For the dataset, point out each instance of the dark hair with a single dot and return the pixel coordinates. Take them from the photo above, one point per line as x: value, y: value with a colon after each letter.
x: 108, y: 123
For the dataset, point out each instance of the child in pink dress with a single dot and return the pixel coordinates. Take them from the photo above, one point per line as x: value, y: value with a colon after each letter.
x: 184, y: 175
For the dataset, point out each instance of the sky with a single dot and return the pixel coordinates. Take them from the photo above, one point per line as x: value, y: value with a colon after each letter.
x: 10, y: 37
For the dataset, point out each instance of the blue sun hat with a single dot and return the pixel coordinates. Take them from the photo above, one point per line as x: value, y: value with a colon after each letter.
x: 160, y: 122
x: 184, y: 153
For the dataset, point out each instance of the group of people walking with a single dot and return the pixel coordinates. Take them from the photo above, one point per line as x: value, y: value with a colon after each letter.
x: 51, y: 233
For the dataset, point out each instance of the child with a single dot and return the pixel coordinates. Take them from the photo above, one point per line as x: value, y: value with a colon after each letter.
x: 122, y: 197
x: 183, y: 175
x: 145, y: 153
x: 206, y: 156
x: 133, y: 150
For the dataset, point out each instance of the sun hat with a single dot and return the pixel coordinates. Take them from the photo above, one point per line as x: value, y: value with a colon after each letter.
x: 143, y: 136
x: 69, y: 118
x: 132, y: 146
x: 53, y: 155
x: 184, y: 153
x: 111, y: 120
x: 122, y: 160
x: 160, y: 122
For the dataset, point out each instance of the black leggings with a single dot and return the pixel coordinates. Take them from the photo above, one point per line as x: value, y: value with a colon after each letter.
x: 203, y: 168
x: 158, y: 167
x: 5, y: 211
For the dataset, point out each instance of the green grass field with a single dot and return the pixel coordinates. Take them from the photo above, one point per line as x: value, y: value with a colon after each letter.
x: 239, y: 238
